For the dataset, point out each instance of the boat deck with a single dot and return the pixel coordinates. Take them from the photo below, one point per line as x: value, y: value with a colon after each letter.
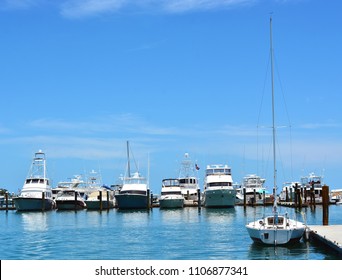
x: 329, y: 235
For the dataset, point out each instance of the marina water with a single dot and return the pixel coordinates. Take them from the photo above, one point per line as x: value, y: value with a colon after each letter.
x: 158, y: 234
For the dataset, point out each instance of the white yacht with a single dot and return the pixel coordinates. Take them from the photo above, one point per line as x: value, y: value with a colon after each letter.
x: 313, y: 182
x: 253, y: 187
x: 275, y: 229
x: 188, y: 179
x: 218, y: 186
x: 288, y: 191
x: 36, y: 194
x: 171, y: 194
x: 100, y: 199
x: 73, y: 183
x: 70, y: 199
x: 134, y: 193
x: 98, y: 196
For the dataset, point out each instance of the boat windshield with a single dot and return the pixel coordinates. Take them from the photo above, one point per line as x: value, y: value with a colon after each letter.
x: 170, y: 193
x: 220, y: 171
x: 36, y: 181
x: 188, y: 181
x: 219, y: 184
x: 133, y: 192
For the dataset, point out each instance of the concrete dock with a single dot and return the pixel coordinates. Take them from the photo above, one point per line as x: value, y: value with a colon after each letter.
x: 328, y: 235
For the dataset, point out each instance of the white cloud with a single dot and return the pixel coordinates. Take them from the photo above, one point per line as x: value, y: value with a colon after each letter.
x: 320, y: 125
x: 176, y: 6
x: 83, y: 8
x: 125, y: 123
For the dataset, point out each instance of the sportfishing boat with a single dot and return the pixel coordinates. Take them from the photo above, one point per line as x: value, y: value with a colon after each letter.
x: 70, y: 199
x: 218, y: 186
x: 73, y: 183
x: 275, y: 229
x: 253, y: 187
x: 288, y: 191
x: 97, y: 195
x: 336, y: 196
x: 134, y: 192
x: 36, y: 194
x: 171, y: 194
x: 102, y: 198
x: 188, y: 179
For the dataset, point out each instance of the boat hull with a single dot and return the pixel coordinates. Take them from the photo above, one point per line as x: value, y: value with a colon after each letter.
x: 96, y: 204
x: 170, y: 202
x: 219, y: 198
x: 33, y: 204
x: 70, y: 205
x: 131, y: 201
x: 275, y: 236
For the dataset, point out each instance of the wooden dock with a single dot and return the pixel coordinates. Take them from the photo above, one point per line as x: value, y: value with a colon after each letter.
x: 328, y: 235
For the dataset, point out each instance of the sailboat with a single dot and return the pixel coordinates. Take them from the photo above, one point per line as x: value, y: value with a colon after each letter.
x: 276, y: 229
x: 134, y: 191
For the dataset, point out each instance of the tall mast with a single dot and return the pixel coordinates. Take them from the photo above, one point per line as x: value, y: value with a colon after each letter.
x: 128, y: 161
x: 273, y: 118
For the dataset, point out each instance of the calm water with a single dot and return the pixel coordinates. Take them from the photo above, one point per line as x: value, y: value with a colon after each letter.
x: 182, y: 234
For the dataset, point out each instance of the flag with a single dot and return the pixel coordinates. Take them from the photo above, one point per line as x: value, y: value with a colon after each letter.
x: 196, y: 166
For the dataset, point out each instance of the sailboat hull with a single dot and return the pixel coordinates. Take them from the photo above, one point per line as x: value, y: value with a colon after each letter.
x: 275, y: 235
x: 131, y: 201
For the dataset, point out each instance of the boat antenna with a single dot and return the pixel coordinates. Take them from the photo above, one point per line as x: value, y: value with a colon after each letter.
x: 273, y: 122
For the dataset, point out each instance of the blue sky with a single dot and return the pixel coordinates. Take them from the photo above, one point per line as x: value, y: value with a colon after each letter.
x: 81, y: 77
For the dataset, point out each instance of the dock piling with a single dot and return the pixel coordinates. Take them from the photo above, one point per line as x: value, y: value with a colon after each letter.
x: 244, y: 198
x: 75, y: 202
x: 254, y: 197
x: 148, y: 199
x: 312, y: 197
x: 287, y: 194
x: 6, y: 197
x: 325, y: 201
x: 107, y: 200
x: 43, y: 201
x: 101, y: 204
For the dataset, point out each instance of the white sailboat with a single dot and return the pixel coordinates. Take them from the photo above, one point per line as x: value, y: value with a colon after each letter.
x: 134, y: 193
x: 275, y: 229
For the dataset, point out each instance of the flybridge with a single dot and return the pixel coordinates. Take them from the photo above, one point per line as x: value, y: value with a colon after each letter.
x: 218, y: 169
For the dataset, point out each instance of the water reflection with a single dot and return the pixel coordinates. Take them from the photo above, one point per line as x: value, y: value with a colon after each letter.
x: 34, y: 221
x: 219, y: 214
x: 297, y: 251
